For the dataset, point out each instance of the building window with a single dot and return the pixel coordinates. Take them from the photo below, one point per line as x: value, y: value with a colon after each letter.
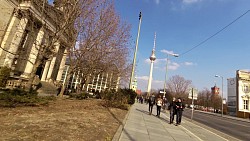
x: 245, y: 104
x: 246, y: 88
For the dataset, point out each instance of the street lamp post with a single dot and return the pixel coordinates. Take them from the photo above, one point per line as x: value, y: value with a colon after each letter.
x: 221, y: 93
x: 135, y: 53
x: 166, y: 73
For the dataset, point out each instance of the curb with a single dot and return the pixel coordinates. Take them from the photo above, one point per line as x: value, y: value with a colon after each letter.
x: 118, y: 133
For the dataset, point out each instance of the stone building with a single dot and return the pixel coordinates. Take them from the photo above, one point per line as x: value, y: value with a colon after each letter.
x: 27, y: 27
x: 239, y: 94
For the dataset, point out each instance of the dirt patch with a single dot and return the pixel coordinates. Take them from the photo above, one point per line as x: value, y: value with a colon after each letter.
x: 78, y: 120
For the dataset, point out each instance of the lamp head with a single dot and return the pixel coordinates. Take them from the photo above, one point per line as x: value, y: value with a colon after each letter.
x: 217, y: 76
x: 176, y: 55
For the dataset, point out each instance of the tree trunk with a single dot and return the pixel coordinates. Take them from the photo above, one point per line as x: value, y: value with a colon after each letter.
x: 64, y: 86
x: 86, y: 83
x: 32, y: 75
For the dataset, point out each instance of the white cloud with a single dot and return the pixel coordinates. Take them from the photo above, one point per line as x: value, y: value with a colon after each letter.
x: 142, y: 78
x: 190, y: 1
x: 157, y: 2
x: 143, y: 83
x: 167, y: 51
x: 173, y: 66
x: 188, y: 63
x: 158, y: 81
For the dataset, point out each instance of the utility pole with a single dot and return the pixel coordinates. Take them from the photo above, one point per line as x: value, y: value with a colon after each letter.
x: 192, y: 104
x: 135, y: 53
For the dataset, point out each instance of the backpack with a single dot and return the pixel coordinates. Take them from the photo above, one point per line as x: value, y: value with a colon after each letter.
x: 152, y: 100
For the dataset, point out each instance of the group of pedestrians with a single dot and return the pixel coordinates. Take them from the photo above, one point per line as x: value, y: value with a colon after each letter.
x: 175, y: 107
x: 153, y: 101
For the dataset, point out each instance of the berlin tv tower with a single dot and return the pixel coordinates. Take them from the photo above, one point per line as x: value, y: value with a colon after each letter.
x: 152, y: 59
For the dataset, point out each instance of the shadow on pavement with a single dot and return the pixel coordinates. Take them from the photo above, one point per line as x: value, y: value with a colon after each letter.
x: 143, y: 111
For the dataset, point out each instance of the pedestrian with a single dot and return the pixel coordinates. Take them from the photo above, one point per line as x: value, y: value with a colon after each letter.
x: 179, y: 109
x: 172, y: 110
x: 165, y: 101
x: 151, y: 103
x: 158, y: 105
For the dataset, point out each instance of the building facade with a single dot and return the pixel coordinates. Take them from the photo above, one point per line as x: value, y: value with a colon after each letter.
x: 97, y: 83
x: 243, y: 93
x: 26, y: 30
x: 239, y: 94
x: 231, y: 97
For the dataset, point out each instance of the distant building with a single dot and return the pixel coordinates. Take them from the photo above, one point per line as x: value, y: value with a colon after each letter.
x: 231, y: 97
x: 215, y: 90
x: 105, y: 81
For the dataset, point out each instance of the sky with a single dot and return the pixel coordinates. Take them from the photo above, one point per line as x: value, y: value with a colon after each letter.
x: 181, y: 25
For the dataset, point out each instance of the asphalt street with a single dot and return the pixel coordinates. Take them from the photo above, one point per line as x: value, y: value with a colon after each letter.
x: 233, y: 127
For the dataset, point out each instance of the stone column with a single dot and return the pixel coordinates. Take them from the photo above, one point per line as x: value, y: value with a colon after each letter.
x: 73, y: 80
x: 106, y: 81
x: 14, y: 37
x: 62, y: 66
x: 118, y: 83
x: 101, y: 83
x: 10, y: 31
x: 45, y: 71
x: 52, y: 64
x: 33, y: 53
x: 77, y: 80
x: 97, y: 81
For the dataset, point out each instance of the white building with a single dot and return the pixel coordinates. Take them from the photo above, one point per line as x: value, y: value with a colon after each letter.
x: 243, y: 93
x: 239, y: 94
x: 27, y: 27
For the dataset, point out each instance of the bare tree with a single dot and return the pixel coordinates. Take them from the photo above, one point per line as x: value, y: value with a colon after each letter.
x: 102, y: 43
x: 205, y: 97
x: 179, y: 86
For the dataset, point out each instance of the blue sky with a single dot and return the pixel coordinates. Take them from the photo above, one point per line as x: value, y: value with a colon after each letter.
x: 182, y: 24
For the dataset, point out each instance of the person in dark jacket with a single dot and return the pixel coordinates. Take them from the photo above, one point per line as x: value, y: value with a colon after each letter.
x: 179, y: 109
x: 172, y: 110
x: 151, y: 103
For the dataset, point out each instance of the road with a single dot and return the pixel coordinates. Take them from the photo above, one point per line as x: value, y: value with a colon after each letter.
x: 236, y: 128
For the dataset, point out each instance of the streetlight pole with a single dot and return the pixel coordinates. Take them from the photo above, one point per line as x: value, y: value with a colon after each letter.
x: 221, y: 93
x: 166, y: 73
x: 135, y: 53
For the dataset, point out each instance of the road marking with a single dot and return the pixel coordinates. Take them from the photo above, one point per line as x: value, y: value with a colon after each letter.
x: 210, y: 131
x: 186, y: 129
x: 191, y: 133
x: 200, y: 127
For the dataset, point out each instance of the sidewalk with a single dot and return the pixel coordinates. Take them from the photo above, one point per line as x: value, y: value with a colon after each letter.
x: 140, y: 126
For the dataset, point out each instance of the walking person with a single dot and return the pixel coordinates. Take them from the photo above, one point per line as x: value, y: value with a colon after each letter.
x: 151, y: 103
x: 172, y: 110
x: 179, y: 109
x: 159, y: 104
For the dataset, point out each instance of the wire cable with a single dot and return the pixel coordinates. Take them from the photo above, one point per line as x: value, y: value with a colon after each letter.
x: 202, y: 42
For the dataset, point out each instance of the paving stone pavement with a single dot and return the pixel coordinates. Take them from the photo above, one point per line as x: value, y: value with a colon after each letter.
x: 140, y: 126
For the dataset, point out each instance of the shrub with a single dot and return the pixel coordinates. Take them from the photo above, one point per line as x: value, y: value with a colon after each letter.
x: 120, y: 99
x: 19, y: 97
